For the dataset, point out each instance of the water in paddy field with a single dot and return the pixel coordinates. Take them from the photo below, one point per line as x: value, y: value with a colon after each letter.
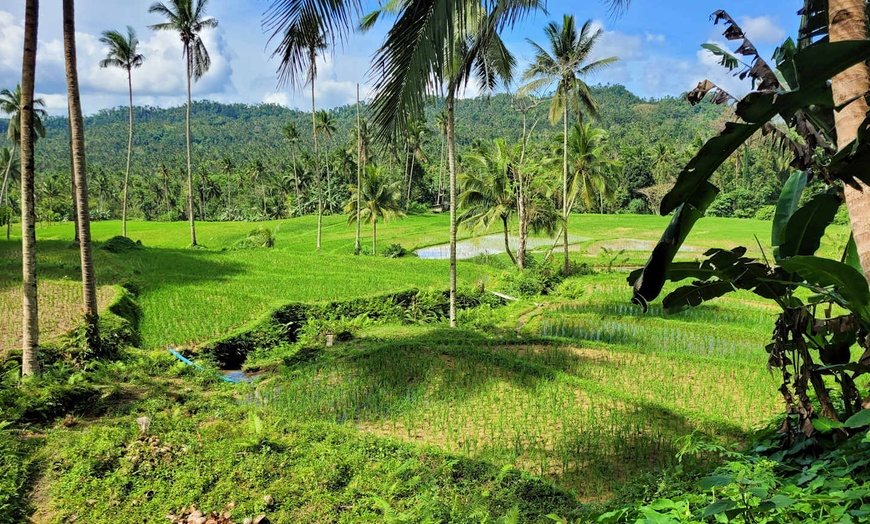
x: 486, y: 245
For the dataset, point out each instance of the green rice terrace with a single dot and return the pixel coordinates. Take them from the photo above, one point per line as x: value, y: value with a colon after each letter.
x: 559, y: 406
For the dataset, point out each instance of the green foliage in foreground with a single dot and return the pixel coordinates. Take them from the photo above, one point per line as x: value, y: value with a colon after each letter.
x: 833, y: 487
x: 216, y: 445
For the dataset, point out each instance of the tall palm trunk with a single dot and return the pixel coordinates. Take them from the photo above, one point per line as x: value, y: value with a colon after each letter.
x: 189, y: 167
x: 451, y: 166
x: 438, y: 197
x: 5, y: 191
x: 72, y: 181
x: 848, y: 22
x: 522, y: 202
x: 507, y: 244
x: 359, y: 161
x: 129, y: 155
x: 565, y: 209
x: 89, y: 285
x: 30, y: 338
x: 375, y: 236
x: 316, y: 158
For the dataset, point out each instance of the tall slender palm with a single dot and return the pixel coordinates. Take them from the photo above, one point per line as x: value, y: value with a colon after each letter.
x: 566, y: 64
x: 441, y: 122
x: 187, y: 18
x: 10, y: 103
x: 380, y: 198
x: 488, y: 190
x: 89, y: 283
x: 291, y: 134
x: 421, y: 51
x: 124, y: 53
x: 30, y: 307
x: 12, y: 169
x: 589, y: 167
x: 361, y: 153
x: 324, y: 124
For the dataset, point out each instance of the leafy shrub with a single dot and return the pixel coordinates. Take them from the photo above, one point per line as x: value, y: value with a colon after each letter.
x: 842, y: 216
x: 260, y: 237
x: 765, y: 213
x: 394, y: 251
x: 6, y: 214
x: 572, y: 289
x: 121, y: 244
x: 96, y: 215
x: 638, y: 206
x: 13, y: 476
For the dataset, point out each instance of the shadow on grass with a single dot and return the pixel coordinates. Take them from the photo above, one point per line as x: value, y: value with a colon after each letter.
x: 146, y: 268
x: 383, y: 385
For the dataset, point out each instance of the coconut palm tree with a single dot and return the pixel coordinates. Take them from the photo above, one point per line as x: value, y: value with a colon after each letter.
x: 566, y: 65
x: 27, y: 117
x: 10, y: 103
x: 77, y: 128
x: 12, y: 169
x: 380, y: 198
x: 589, y: 167
x: 488, y: 189
x: 361, y: 157
x: 291, y: 134
x: 124, y: 53
x: 324, y: 124
x: 187, y: 18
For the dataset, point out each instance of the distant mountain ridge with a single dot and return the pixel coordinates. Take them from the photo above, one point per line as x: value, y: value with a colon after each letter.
x: 248, y: 133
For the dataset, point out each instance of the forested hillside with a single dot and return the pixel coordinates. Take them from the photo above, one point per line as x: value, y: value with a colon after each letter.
x: 244, y: 165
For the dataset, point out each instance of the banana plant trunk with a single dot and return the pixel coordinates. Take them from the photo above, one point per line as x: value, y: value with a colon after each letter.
x: 89, y: 285
x: 847, y: 21
x: 451, y: 167
x: 30, y: 338
x: 129, y: 155
x: 189, y: 167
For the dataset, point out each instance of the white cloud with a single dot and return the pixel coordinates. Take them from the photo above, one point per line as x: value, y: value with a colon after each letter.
x: 654, y: 38
x: 762, y: 30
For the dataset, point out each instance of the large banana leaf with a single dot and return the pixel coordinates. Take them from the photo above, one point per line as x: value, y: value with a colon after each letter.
x: 813, y: 67
x: 787, y: 204
x: 845, y: 280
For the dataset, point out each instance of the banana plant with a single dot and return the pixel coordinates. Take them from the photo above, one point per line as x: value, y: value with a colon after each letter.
x: 812, y: 337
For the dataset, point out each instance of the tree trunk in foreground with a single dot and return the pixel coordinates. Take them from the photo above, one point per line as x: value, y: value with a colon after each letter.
x: 89, y: 285
x: 129, y: 155
x: 847, y: 21
x: 30, y: 338
x: 359, y: 166
x: 565, y: 268
x: 189, y: 167
x: 451, y: 166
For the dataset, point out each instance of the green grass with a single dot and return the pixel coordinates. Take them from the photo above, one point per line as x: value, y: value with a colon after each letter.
x: 404, y: 422
x: 189, y: 296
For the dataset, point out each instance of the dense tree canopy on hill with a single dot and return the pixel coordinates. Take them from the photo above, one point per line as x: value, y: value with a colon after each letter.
x: 244, y: 167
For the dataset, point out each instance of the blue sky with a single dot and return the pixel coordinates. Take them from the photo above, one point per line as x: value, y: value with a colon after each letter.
x: 658, y: 44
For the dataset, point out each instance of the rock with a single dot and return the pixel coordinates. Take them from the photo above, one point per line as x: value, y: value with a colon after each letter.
x: 144, y: 423
x: 262, y: 519
x: 269, y: 501
x: 248, y: 520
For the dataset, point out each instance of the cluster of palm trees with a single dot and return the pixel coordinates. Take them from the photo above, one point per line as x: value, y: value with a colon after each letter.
x: 439, y: 45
